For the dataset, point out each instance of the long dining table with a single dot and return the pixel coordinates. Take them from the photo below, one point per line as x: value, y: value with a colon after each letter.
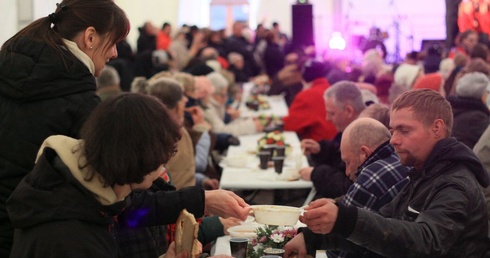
x: 241, y: 167
x: 277, y: 104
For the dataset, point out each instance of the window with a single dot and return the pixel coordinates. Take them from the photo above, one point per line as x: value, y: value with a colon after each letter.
x: 225, y: 12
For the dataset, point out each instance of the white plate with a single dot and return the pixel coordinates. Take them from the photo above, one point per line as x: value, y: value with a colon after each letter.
x: 246, y: 231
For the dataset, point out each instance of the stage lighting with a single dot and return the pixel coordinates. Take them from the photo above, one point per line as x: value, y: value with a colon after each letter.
x: 337, y: 42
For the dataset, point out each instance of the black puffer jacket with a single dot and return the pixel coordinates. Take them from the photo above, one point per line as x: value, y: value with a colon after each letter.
x: 39, y: 96
x: 57, y: 216
x: 440, y: 213
x: 471, y: 118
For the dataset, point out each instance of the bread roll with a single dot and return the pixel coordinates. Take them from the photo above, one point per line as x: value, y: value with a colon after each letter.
x: 186, y: 234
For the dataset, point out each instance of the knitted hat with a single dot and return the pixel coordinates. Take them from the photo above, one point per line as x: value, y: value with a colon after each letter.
x: 472, y: 85
x: 431, y: 81
x: 405, y: 74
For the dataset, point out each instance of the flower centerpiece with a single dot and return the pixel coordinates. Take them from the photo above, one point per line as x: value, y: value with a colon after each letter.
x: 260, y: 85
x: 272, y: 138
x: 257, y: 102
x: 269, y: 237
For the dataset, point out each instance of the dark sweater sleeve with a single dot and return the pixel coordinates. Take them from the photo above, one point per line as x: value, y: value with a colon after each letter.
x: 346, y: 220
x: 330, y: 182
x: 313, y: 241
x: 162, y: 207
x: 210, y: 229
x: 329, y: 154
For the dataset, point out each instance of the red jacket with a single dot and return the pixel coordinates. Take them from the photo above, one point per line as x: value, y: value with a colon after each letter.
x: 307, y: 114
x: 471, y: 19
x: 163, y: 41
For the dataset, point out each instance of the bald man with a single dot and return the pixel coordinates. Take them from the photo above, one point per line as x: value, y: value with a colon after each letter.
x: 375, y: 168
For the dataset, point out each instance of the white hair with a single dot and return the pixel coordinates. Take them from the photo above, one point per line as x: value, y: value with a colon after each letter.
x: 218, y: 80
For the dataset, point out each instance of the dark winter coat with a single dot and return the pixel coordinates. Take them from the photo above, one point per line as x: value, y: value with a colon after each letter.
x: 471, y: 118
x: 40, y: 95
x: 56, y: 216
x: 440, y: 213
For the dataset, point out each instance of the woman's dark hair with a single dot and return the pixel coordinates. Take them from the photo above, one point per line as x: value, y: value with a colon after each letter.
x: 165, y: 25
x: 127, y: 137
x: 72, y: 17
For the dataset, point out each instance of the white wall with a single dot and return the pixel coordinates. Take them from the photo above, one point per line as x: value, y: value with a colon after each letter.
x: 8, y: 12
x: 156, y: 11
x: 269, y: 11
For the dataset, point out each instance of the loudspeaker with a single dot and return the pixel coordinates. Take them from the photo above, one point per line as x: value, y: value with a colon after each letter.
x: 431, y: 45
x: 302, y: 25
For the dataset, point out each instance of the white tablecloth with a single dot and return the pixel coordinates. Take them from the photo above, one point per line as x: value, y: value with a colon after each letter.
x: 278, y: 106
x: 222, y: 246
x: 249, y: 176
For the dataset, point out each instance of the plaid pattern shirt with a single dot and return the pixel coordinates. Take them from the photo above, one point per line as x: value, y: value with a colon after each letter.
x: 379, y: 179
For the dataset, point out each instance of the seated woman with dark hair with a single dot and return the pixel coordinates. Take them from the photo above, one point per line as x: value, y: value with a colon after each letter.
x: 66, y: 205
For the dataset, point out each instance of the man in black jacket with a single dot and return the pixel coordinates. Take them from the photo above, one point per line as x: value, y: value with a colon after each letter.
x: 440, y: 213
x: 344, y: 103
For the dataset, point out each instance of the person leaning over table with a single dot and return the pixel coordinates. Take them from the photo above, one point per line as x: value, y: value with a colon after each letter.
x: 440, y: 213
x: 344, y: 103
x: 140, y: 235
x: 375, y: 169
x: 66, y: 206
x: 47, y: 85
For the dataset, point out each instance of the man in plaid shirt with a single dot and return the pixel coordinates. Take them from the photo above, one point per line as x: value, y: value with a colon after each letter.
x: 375, y: 168
x: 373, y: 165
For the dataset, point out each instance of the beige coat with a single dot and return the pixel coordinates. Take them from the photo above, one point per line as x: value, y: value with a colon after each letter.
x: 182, y: 166
x: 214, y: 116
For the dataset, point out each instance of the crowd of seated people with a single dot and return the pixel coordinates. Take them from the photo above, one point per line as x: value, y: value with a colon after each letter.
x: 219, y: 64
x: 198, y: 73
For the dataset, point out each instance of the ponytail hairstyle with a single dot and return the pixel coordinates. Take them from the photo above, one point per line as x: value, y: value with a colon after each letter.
x: 72, y: 17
